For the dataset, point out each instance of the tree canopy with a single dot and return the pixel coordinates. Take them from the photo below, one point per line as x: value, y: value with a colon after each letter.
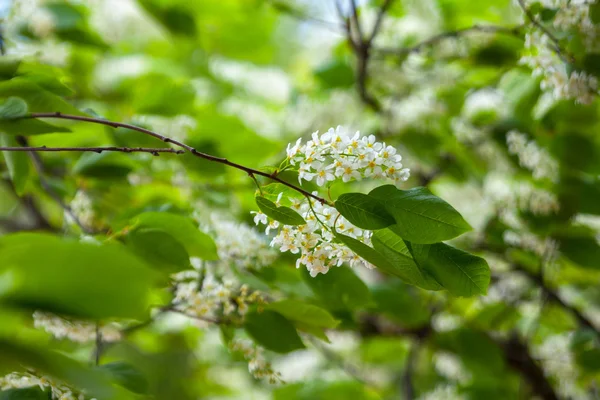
x: 299, y: 199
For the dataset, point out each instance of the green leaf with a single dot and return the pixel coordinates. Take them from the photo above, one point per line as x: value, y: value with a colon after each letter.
x: 175, y: 18
x: 400, y: 303
x: 389, y: 261
x: 339, y: 289
x: 285, y: 215
x: 304, y: 313
x: 17, y: 163
x: 420, y: 216
x: 159, y: 248
x: 273, y: 331
x: 30, y: 127
x: 459, y: 272
x: 31, y: 393
x: 104, y: 165
x: 335, y: 74
x: 364, y: 211
x: 392, y: 247
x: 38, y: 99
x: 595, y: 13
x: 182, y: 229
x: 591, y: 63
x: 13, y: 108
x: 45, y: 272
x: 127, y: 376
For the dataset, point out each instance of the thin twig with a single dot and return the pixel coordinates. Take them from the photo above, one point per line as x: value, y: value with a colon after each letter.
x: 153, y: 151
x: 98, y: 348
x: 513, y: 31
x: 38, y: 164
x: 190, y: 149
x: 384, y: 8
x: 407, y: 386
x: 362, y: 49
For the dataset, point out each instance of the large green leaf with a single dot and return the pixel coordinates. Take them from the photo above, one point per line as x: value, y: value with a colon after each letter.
x: 393, y: 248
x: 12, y: 108
x: 285, y: 215
x: 339, y: 289
x: 273, y: 331
x: 159, y: 248
x: 127, y: 376
x: 30, y: 393
x: 41, y: 271
x: 420, y: 216
x: 104, y: 165
x: 304, y: 313
x: 364, y: 211
x: 20, y: 355
x: 183, y: 229
x: 17, y: 163
x: 459, y: 272
x: 38, y: 99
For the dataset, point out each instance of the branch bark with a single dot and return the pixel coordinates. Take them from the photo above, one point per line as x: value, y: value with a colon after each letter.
x: 153, y: 151
x: 250, y: 171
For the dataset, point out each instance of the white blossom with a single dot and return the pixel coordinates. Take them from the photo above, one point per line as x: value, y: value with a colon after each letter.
x: 335, y: 154
x: 58, y: 390
x: 532, y: 156
x: 75, y: 330
x: 257, y: 365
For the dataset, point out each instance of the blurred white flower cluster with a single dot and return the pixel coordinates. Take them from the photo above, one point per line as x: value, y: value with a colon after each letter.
x: 257, y: 365
x: 206, y: 296
x: 559, y: 363
x: 546, y: 248
x: 507, y: 194
x: 542, y: 57
x: 451, y: 367
x: 59, y: 391
x: 240, y: 244
x: 443, y: 392
x: 532, y: 156
x: 77, y: 331
x: 335, y: 155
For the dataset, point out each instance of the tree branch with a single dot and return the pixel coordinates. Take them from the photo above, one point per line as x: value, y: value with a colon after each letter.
x: 249, y: 171
x: 513, y: 31
x: 153, y: 151
x: 39, y: 167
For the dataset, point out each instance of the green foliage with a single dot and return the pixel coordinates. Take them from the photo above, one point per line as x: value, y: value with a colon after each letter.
x: 420, y: 216
x: 17, y: 163
x: 45, y: 272
x: 285, y: 215
x: 272, y: 330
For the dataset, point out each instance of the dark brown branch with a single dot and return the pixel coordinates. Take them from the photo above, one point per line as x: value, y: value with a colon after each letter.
x: 362, y: 50
x: 99, y: 345
x: 249, y: 171
x: 407, y: 387
x: 516, y: 353
x: 153, y: 151
x: 384, y: 8
x: 513, y: 31
x: 517, y: 356
x: 40, y: 169
x: 552, y: 296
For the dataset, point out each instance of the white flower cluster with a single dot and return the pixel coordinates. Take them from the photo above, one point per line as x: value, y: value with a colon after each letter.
x: 543, y: 60
x: 59, y: 390
x: 547, y: 248
x: 77, y: 331
x: 509, y: 288
x: 484, y: 102
x: 208, y: 297
x: 451, y: 367
x: 257, y: 365
x: 532, y: 156
x: 314, y: 240
x: 240, y: 244
x: 83, y: 208
x: 558, y: 362
x: 443, y: 392
x: 335, y: 155
x: 507, y: 194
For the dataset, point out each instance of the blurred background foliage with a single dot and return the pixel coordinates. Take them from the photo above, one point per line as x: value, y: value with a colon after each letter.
x: 93, y: 238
